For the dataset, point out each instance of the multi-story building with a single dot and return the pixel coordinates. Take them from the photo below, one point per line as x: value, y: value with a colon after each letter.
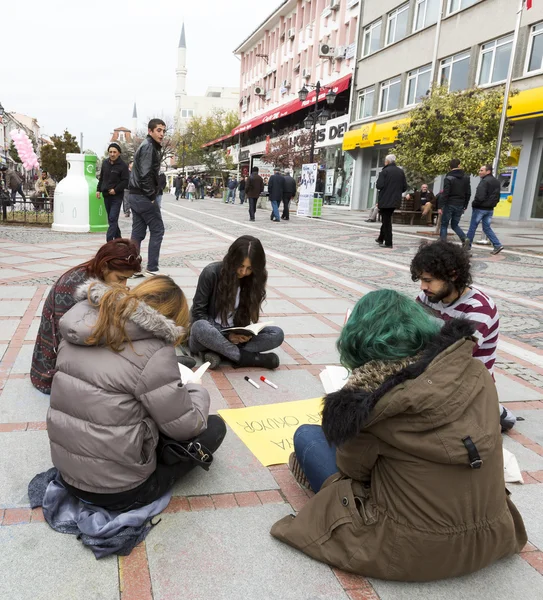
x: 301, y: 43
x: 186, y: 106
x: 405, y: 47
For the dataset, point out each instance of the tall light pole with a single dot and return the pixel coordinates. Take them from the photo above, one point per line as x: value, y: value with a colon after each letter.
x: 316, y: 116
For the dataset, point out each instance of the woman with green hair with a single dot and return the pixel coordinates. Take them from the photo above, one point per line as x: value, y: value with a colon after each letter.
x: 408, y: 463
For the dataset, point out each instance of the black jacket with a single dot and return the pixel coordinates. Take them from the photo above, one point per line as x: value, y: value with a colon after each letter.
x: 255, y: 186
x: 242, y: 184
x: 487, y: 194
x: 391, y: 184
x: 145, y: 170
x: 456, y: 189
x: 289, y: 189
x: 204, y: 302
x: 113, y: 176
x: 276, y: 185
x: 162, y: 182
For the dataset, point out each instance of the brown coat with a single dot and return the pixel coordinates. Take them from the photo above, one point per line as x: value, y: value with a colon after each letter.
x: 406, y: 505
x: 417, y: 197
x: 108, y: 408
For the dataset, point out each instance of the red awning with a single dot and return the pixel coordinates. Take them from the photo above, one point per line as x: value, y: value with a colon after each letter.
x: 287, y: 109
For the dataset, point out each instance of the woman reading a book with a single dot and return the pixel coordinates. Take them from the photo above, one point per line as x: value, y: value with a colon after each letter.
x: 408, y: 463
x: 117, y: 395
x: 226, y: 309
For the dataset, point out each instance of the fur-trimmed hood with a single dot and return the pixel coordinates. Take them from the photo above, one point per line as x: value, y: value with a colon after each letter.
x: 355, y: 407
x: 145, y: 322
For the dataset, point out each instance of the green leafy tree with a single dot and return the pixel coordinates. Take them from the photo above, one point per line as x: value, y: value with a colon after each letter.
x: 445, y: 125
x: 14, y: 154
x: 53, y: 156
x: 197, y: 133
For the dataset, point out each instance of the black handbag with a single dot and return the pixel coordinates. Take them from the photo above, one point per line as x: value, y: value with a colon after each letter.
x: 170, y: 452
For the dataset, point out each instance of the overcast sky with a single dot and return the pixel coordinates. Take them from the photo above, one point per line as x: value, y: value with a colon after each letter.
x: 81, y: 65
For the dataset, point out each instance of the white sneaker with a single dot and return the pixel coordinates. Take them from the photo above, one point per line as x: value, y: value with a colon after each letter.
x: 148, y: 273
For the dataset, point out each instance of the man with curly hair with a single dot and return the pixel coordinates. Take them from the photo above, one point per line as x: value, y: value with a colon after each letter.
x: 444, y: 272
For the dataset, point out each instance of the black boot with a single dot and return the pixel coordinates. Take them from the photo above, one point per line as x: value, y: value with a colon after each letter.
x: 187, y: 361
x: 268, y: 360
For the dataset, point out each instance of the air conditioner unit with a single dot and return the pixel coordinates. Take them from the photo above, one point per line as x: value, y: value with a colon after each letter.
x: 259, y: 91
x: 326, y: 51
x: 306, y: 73
x: 339, y: 52
x: 286, y: 84
x: 334, y: 4
x: 291, y: 34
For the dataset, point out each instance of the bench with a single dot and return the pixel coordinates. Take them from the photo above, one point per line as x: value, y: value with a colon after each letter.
x: 406, y: 215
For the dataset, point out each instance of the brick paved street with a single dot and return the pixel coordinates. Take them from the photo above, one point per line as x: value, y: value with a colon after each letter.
x: 213, y: 541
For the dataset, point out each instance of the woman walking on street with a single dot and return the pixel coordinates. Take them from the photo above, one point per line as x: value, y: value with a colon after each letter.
x: 408, y: 463
x: 230, y: 293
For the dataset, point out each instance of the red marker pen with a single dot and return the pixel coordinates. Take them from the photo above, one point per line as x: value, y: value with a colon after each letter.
x: 268, y: 382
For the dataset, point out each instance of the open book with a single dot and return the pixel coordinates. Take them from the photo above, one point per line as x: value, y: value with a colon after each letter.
x: 333, y: 378
x: 188, y: 375
x: 249, y: 330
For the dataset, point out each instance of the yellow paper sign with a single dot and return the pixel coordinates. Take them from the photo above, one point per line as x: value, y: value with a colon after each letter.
x: 268, y: 430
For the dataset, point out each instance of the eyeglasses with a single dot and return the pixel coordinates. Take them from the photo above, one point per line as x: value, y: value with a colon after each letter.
x: 132, y: 258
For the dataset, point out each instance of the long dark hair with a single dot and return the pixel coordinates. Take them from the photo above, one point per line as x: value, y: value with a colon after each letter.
x: 116, y: 255
x: 252, y: 287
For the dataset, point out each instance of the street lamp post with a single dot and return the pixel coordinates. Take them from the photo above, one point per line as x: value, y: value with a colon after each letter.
x: 319, y: 116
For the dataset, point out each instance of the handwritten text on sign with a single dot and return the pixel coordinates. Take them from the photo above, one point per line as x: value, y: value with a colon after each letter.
x: 268, y: 430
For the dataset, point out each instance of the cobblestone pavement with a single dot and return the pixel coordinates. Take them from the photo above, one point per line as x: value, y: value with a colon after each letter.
x: 213, y: 541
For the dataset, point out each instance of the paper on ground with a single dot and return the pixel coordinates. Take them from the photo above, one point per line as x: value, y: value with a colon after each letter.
x: 268, y: 430
x: 511, y: 470
x: 188, y: 375
x: 333, y: 378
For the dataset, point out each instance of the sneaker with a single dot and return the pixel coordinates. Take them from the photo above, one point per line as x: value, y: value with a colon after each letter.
x: 296, y: 470
x: 497, y: 250
x: 466, y: 244
x: 148, y: 273
x: 213, y: 359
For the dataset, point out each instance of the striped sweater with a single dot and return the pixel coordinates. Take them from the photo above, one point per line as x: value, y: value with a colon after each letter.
x: 479, y: 308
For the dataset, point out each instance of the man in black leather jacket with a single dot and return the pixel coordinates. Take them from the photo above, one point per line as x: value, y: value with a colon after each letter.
x: 143, y: 190
x: 112, y: 182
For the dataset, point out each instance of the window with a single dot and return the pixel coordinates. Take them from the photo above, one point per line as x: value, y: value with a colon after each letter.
x: 397, y: 24
x: 456, y: 5
x: 534, y: 59
x: 426, y: 13
x: 187, y: 113
x: 365, y: 103
x: 418, y: 84
x: 494, y: 60
x: 372, y: 38
x: 390, y: 95
x: 454, y: 72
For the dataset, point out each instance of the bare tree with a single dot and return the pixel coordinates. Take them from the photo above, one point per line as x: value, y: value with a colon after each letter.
x: 289, y: 152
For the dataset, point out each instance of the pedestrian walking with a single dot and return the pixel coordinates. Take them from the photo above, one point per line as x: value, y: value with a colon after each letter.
x: 113, y: 181
x: 391, y: 184
x: 289, y: 191
x: 253, y: 189
x: 232, y: 186
x: 487, y: 196
x: 15, y: 183
x: 143, y: 189
x: 276, y: 187
x: 178, y: 186
x: 126, y: 201
x: 455, y: 199
x: 191, y: 190
x: 407, y: 467
x: 241, y: 188
x: 444, y: 272
x: 162, y: 183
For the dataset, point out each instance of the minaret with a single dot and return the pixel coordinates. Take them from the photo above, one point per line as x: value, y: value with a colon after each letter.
x: 134, y: 120
x: 181, y: 72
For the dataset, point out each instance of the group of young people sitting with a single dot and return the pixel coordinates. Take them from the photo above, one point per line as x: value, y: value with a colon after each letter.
x: 407, y: 465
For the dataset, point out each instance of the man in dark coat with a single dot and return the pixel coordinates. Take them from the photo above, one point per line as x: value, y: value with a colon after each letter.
x: 391, y: 185
x: 113, y: 181
x: 425, y: 202
x: 276, y: 186
x: 253, y: 189
x: 486, y: 198
x: 178, y: 185
x: 454, y: 200
x: 289, y: 191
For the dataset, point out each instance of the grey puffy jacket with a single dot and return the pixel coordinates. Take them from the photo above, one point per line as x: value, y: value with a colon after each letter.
x: 107, y: 408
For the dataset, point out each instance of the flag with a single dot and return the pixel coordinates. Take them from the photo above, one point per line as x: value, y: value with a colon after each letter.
x: 528, y: 4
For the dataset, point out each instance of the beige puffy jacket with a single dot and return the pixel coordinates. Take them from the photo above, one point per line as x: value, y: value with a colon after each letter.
x: 108, y: 408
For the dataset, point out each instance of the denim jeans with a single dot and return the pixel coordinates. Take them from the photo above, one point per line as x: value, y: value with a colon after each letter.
x: 275, y: 210
x: 452, y: 214
x: 485, y: 216
x: 113, y: 209
x: 241, y: 196
x: 146, y: 214
x: 252, y: 208
x: 315, y: 455
x: 231, y: 196
x: 159, y: 200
